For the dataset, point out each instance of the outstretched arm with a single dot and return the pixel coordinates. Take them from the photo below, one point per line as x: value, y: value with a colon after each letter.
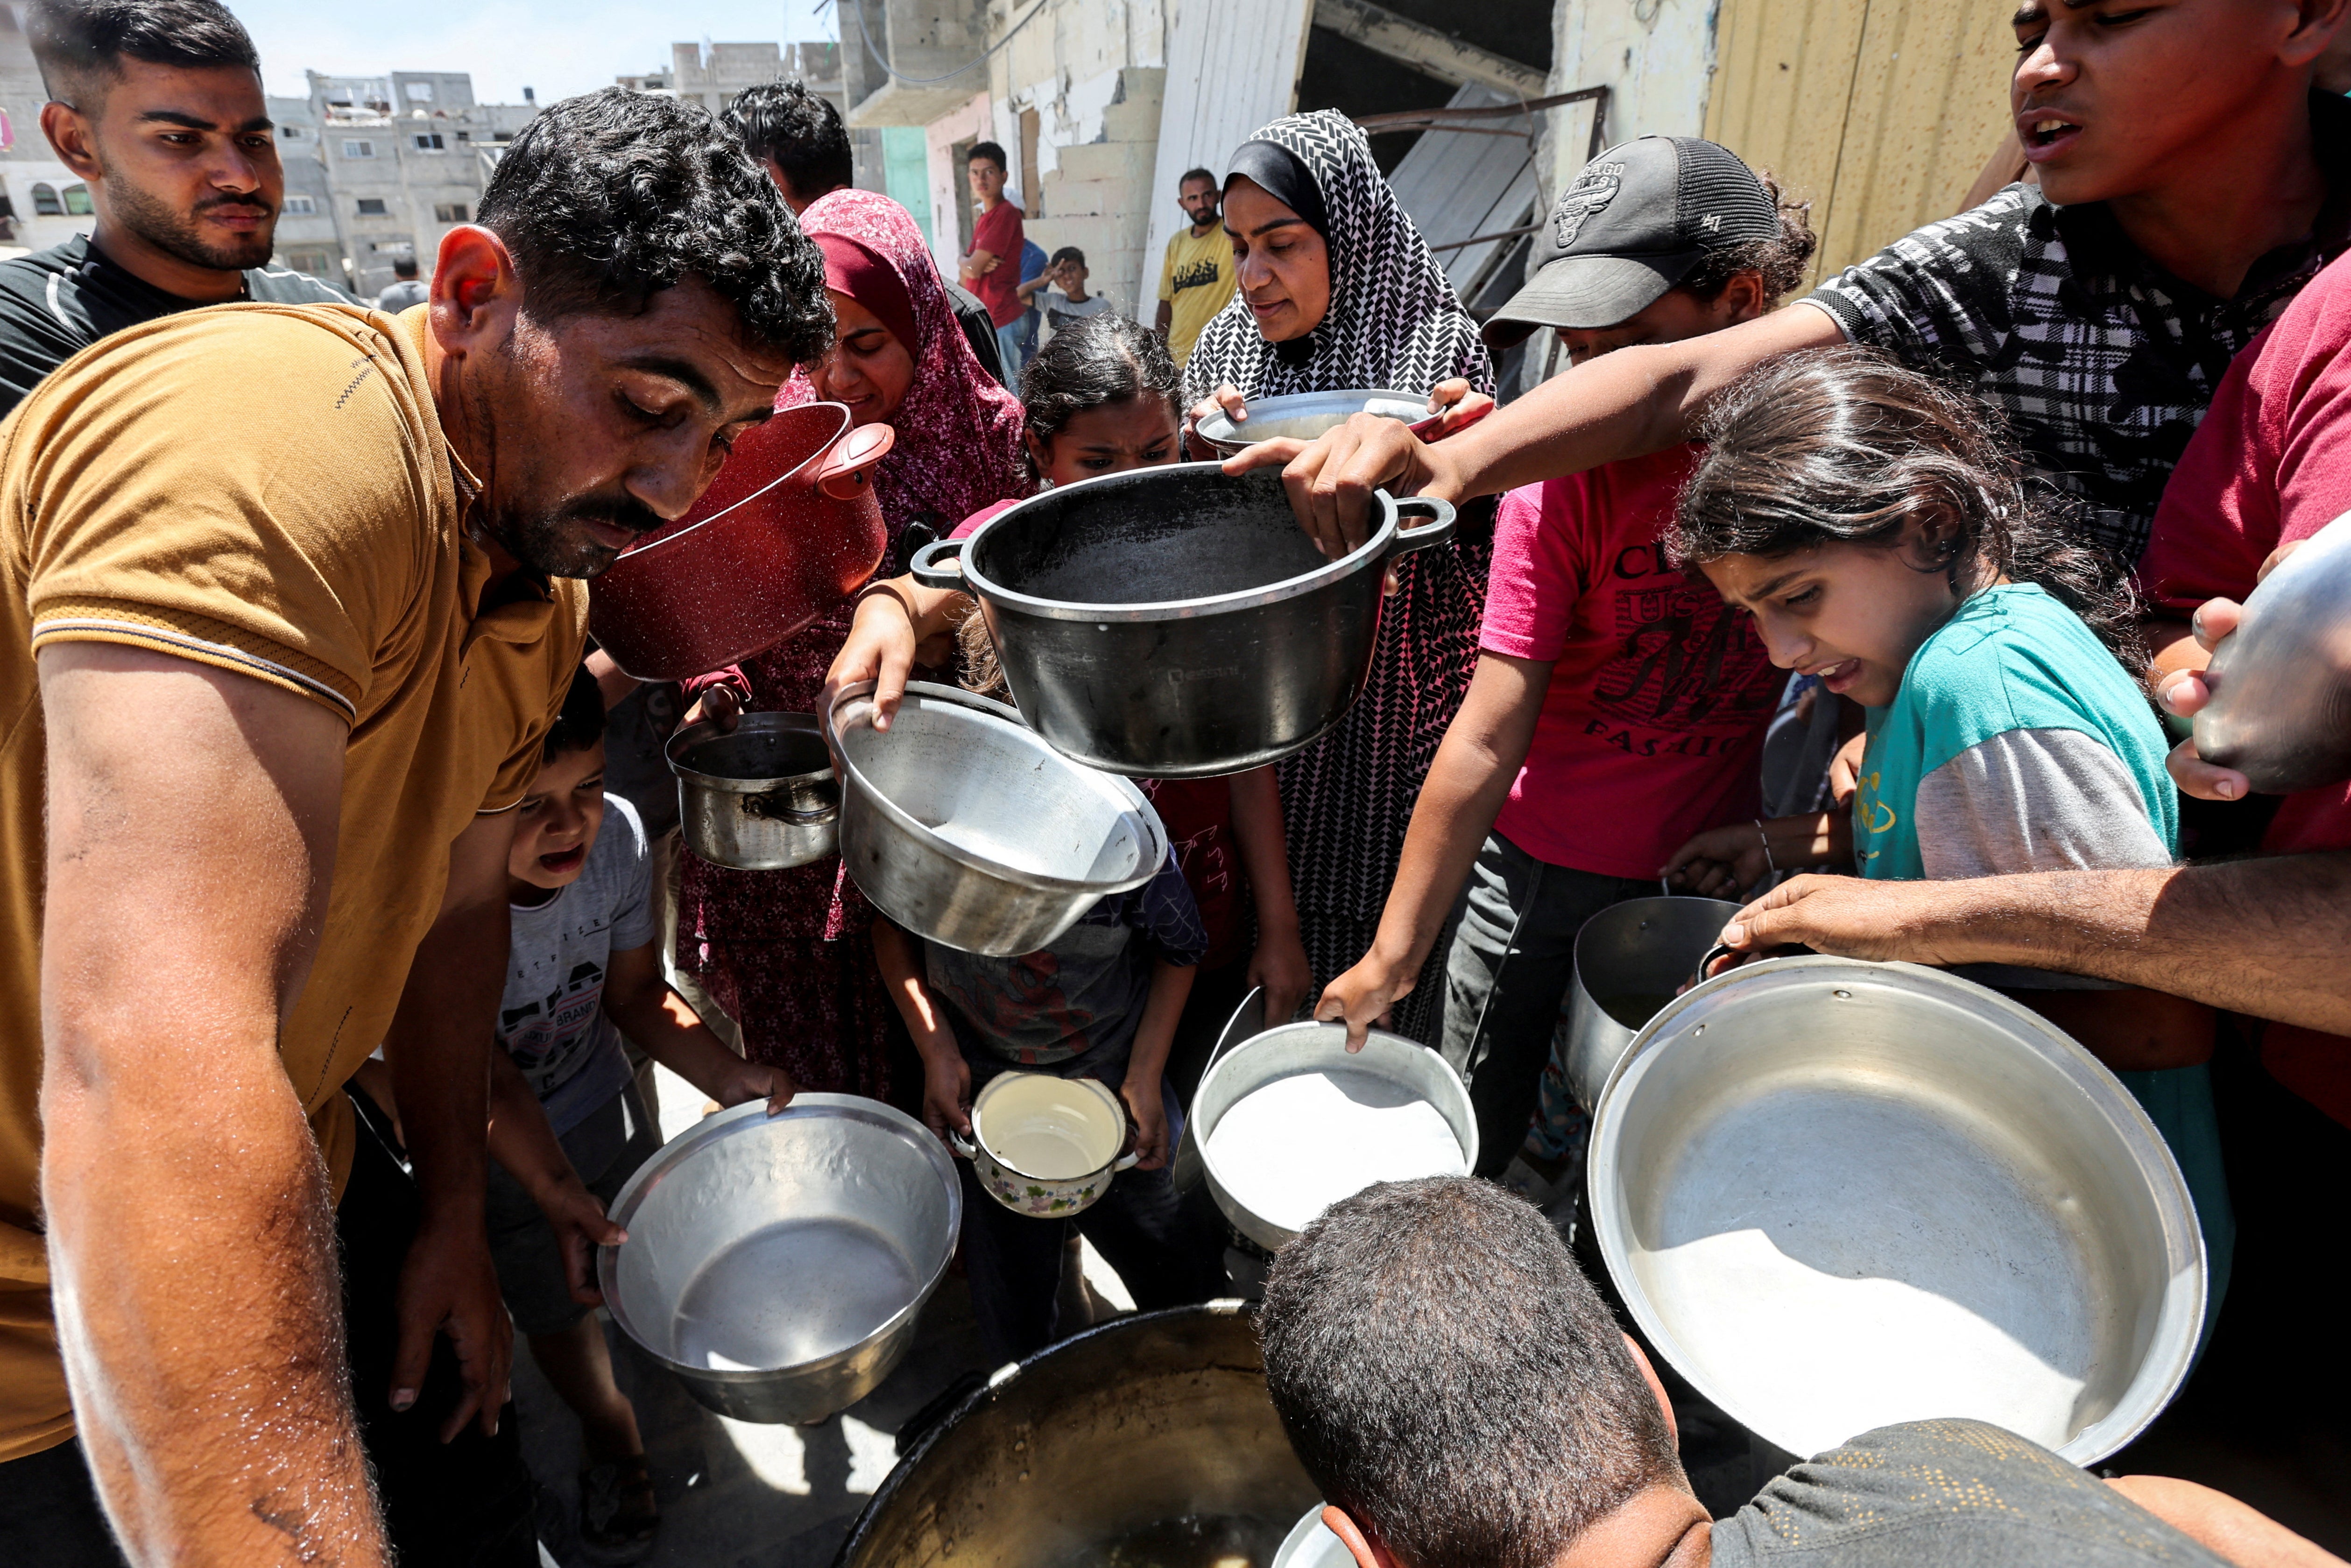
x: 2222, y: 1525
x: 1634, y: 400
x: 192, y: 817
x: 2265, y: 938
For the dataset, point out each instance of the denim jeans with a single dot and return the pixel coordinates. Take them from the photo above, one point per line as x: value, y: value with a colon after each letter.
x: 1014, y: 341
x: 1512, y: 958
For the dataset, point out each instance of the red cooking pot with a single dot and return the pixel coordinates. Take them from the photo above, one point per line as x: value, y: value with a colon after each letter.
x: 788, y: 530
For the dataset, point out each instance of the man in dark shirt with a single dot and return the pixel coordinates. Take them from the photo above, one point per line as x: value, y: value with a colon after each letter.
x: 1465, y: 1399
x: 2191, y: 182
x: 157, y: 106
x: 800, y: 140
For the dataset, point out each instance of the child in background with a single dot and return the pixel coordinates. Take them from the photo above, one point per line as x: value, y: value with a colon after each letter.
x: 1616, y: 705
x: 583, y: 972
x: 1063, y: 287
x: 1101, y: 399
x: 1878, y: 531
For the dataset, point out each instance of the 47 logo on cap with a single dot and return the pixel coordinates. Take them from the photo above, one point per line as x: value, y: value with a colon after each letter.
x: 1589, y: 195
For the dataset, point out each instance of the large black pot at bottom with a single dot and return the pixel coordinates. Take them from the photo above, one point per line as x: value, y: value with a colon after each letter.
x: 1152, y: 1434
x: 1176, y: 622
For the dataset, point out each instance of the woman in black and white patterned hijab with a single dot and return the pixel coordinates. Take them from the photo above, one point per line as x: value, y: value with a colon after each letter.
x: 1391, y: 320
x: 1337, y: 290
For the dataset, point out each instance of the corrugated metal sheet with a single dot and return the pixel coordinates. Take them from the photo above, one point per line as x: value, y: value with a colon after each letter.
x: 1232, y: 66
x: 1881, y: 112
x: 1455, y: 184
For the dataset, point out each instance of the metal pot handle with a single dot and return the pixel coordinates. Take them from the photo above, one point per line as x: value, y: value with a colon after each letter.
x: 962, y: 1146
x: 759, y: 806
x: 846, y: 471
x: 1126, y: 1161
x: 1437, y: 530
x: 931, y: 564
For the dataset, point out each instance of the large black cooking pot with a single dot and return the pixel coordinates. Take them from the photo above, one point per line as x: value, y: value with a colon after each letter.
x: 1149, y: 1439
x: 1176, y: 622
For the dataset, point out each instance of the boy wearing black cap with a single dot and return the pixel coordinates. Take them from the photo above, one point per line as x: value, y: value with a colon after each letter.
x: 1616, y: 705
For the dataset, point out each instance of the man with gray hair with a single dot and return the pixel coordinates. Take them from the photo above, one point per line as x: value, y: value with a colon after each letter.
x: 1465, y: 1399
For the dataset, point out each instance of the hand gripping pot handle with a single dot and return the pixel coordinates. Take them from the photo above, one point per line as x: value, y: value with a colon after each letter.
x: 1437, y: 530
x: 939, y: 565
x: 847, y: 470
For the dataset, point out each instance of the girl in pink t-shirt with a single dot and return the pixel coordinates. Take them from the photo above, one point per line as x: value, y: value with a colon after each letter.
x: 1618, y: 705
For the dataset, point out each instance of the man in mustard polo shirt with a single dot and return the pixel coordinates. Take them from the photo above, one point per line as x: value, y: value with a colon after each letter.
x: 285, y: 607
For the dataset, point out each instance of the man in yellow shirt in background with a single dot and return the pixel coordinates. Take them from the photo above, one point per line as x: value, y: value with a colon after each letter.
x: 286, y: 602
x: 1198, y: 280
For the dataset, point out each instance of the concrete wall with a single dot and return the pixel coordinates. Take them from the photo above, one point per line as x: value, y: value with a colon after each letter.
x: 1657, y: 57
x: 1090, y: 73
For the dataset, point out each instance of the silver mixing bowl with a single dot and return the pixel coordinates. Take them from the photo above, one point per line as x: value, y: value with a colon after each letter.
x: 1838, y: 1195
x: 776, y: 1265
x: 1303, y: 416
x: 964, y: 826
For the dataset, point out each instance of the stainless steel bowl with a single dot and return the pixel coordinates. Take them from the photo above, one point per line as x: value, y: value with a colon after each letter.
x: 1303, y: 416
x: 2281, y: 708
x: 1630, y: 959
x: 1390, y: 1068
x: 1838, y: 1195
x: 964, y: 826
x: 759, y: 798
x: 1147, y: 1440
x: 777, y: 1265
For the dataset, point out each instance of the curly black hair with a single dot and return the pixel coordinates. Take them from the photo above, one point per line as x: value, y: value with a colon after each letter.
x: 606, y: 199
x: 1845, y: 444
x: 580, y: 724
x: 797, y: 131
x: 1781, y: 260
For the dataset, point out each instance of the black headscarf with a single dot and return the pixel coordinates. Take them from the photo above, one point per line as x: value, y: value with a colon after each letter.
x: 1394, y: 320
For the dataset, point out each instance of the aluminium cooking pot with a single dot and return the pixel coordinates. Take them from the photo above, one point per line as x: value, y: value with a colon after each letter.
x: 759, y: 796
x: 1303, y: 416
x: 2280, y: 707
x: 1176, y: 622
x: 1149, y: 1439
x: 1630, y: 959
x: 786, y: 531
x: 1838, y: 1195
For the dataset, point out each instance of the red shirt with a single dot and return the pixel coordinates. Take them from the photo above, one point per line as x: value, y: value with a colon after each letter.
x: 1652, y: 727
x: 997, y: 232
x: 2270, y: 465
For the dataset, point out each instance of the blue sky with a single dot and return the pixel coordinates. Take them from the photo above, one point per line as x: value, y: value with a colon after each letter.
x: 557, y: 47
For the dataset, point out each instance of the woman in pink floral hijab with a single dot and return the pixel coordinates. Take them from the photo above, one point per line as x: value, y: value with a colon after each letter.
x: 786, y: 952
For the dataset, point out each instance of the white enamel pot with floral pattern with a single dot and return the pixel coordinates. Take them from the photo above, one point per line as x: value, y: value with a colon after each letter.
x: 1045, y: 1145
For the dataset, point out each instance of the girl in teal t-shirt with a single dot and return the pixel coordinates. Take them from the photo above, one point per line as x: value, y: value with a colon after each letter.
x: 1882, y: 537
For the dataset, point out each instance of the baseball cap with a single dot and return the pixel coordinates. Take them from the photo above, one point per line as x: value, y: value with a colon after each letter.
x: 1629, y: 227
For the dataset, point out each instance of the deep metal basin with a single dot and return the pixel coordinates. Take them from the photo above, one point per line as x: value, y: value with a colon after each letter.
x: 1630, y: 959
x: 1176, y: 622
x: 1391, y: 1074
x: 777, y: 1265
x: 965, y: 827
x: 2281, y: 708
x: 1838, y: 1195
x: 758, y: 798
x: 1148, y: 1441
x: 1303, y: 416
